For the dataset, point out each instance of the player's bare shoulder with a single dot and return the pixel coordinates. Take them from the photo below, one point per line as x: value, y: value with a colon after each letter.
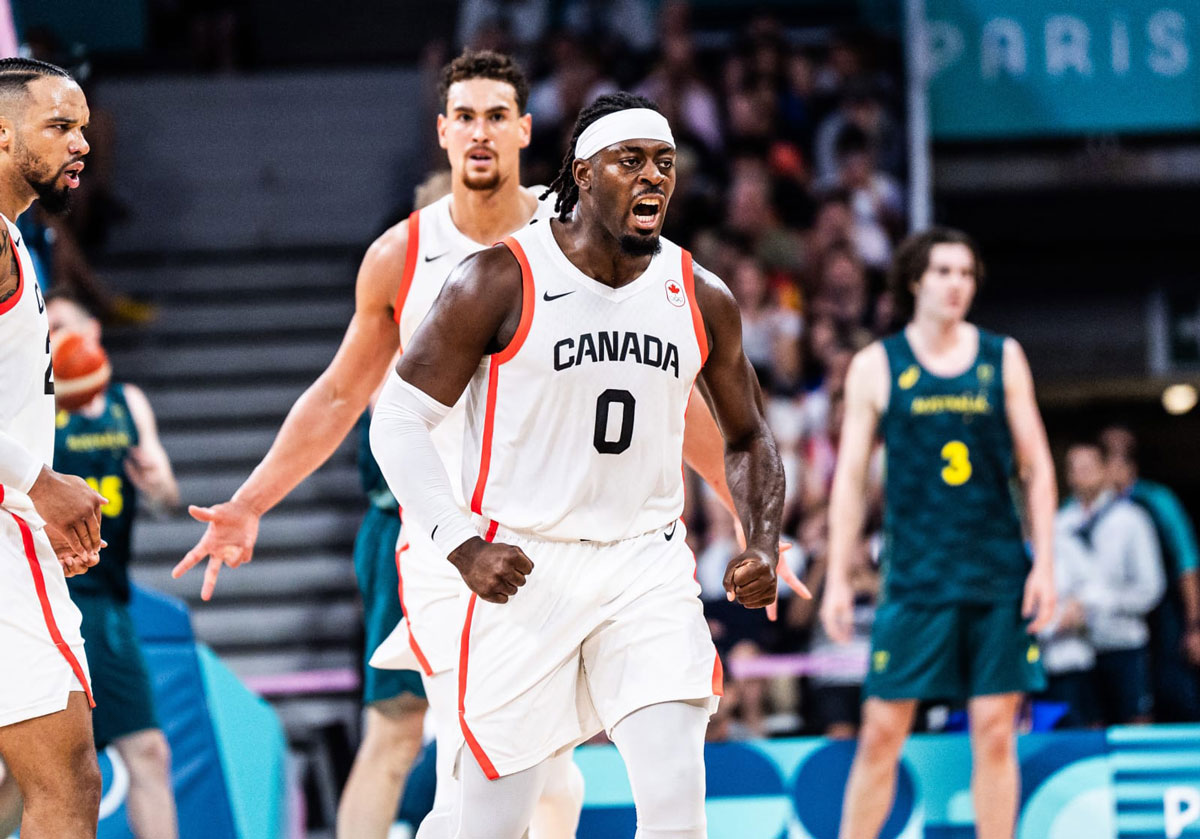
x: 868, y: 378
x: 10, y: 273
x: 382, y: 268
x: 718, y: 307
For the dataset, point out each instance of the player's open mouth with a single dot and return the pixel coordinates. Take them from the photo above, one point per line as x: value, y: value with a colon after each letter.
x: 646, y: 212
x: 71, y: 173
x: 481, y: 156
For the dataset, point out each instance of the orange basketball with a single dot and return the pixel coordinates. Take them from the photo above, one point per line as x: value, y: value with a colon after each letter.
x: 81, y: 370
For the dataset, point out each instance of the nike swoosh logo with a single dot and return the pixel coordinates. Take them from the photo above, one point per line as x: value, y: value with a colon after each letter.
x: 668, y: 536
x: 434, y: 533
x: 432, y: 258
x: 547, y: 296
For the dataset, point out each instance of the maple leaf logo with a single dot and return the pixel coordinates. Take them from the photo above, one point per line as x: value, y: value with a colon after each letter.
x: 674, y: 289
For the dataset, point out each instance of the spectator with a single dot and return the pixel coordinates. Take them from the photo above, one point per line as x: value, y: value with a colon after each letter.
x: 1175, y: 624
x: 1067, y: 653
x: 683, y: 96
x: 770, y: 331
x: 861, y: 108
x: 876, y: 198
x: 1113, y: 540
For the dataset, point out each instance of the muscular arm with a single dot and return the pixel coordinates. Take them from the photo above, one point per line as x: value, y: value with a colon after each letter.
x: 148, y: 466
x: 752, y: 465
x: 319, y: 420
x: 1035, y: 469
x: 866, y: 398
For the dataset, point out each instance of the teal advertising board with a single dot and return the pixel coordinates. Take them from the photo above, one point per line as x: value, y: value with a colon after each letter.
x: 1126, y: 783
x: 1028, y: 68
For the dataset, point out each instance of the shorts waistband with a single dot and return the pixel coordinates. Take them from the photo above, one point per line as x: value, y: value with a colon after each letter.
x: 492, y: 530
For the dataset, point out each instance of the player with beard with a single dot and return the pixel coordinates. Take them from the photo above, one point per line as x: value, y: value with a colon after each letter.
x: 577, y: 342
x: 49, y: 523
x: 483, y: 129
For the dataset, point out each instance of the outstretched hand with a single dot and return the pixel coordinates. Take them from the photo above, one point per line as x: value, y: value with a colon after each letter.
x: 784, y: 572
x: 228, y: 540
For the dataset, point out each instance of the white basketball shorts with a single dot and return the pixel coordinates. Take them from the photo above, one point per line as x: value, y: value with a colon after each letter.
x: 432, y: 597
x: 598, y: 631
x: 41, y: 650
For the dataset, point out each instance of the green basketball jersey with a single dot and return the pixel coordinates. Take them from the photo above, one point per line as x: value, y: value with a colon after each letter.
x: 951, y: 529
x: 95, y: 448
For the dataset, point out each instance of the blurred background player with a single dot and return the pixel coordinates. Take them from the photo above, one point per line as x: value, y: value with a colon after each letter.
x: 45, y: 518
x: 956, y: 409
x: 1175, y: 622
x: 112, y: 443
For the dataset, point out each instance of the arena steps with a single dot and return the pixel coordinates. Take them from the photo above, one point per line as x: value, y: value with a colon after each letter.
x: 234, y: 341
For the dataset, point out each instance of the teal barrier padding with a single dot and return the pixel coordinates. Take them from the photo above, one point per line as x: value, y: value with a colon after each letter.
x: 253, y: 751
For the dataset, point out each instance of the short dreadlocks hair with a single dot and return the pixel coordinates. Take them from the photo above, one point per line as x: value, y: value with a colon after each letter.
x: 564, y: 184
x: 485, y: 64
x: 16, y: 73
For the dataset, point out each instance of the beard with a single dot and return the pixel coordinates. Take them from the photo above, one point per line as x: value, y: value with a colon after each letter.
x: 54, y: 199
x: 482, y: 183
x: 634, y: 245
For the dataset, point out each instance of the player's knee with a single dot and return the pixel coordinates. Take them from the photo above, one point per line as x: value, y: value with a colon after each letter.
x: 993, y: 738
x: 147, y: 752
x: 879, y: 742
x: 673, y: 798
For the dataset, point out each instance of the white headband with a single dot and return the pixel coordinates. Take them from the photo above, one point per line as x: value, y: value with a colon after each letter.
x: 630, y: 124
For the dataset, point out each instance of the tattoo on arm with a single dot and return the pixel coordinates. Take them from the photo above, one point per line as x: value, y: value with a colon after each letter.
x: 10, y: 274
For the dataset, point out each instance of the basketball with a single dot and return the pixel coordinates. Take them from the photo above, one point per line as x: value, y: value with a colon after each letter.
x: 81, y: 370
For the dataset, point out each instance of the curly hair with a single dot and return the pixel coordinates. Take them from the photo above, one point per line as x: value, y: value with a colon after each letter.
x: 912, y: 259
x: 564, y: 184
x: 16, y: 73
x: 485, y: 64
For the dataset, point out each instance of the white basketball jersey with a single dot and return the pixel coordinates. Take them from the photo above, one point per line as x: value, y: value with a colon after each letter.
x: 435, y: 247
x: 26, y: 376
x: 575, y: 430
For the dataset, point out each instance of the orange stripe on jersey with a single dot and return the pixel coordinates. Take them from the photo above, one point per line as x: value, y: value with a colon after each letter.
x: 16, y: 298
x: 718, y: 680
x: 39, y: 584
x: 485, y: 763
x: 514, y: 346
x: 412, y: 639
x: 689, y: 285
x: 527, y: 300
x: 410, y: 264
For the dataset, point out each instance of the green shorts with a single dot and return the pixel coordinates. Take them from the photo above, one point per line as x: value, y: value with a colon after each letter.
x: 951, y: 652
x: 379, y: 584
x: 120, y: 678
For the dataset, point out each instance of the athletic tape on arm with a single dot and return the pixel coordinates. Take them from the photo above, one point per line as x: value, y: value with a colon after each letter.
x: 402, y: 445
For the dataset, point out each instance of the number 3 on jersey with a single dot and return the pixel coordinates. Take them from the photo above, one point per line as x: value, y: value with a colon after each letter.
x: 957, y: 470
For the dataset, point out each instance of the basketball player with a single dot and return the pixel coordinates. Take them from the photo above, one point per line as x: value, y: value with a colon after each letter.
x: 961, y: 599
x: 483, y: 129
x: 45, y: 694
x: 112, y: 442
x: 577, y: 341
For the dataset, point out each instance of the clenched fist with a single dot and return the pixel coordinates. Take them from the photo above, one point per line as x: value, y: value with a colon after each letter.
x: 493, y: 570
x: 750, y: 578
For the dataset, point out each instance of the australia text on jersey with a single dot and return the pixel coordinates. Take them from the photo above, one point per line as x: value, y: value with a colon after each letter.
x: 616, y: 346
